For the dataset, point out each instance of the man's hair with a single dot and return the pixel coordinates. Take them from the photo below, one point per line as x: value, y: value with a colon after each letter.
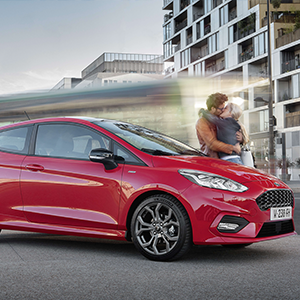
x: 215, y: 100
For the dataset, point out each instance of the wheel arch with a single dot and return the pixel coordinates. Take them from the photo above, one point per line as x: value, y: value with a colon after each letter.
x: 139, y: 200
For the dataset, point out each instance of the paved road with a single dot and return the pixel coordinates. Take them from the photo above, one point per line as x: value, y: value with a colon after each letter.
x: 39, y: 266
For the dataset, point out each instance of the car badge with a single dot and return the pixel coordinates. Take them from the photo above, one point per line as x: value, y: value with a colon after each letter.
x: 276, y: 183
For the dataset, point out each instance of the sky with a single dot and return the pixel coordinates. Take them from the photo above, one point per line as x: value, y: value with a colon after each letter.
x: 43, y: 41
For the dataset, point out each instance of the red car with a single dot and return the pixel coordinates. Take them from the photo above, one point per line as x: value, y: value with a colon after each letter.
x: 110, y: 179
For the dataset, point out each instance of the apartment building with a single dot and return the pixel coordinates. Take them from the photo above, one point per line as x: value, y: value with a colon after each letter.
x: 226, y: 41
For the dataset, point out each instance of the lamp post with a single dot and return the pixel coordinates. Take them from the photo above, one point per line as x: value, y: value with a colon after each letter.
x: 270, y: 103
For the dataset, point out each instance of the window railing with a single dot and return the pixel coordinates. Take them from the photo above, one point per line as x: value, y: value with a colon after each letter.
x: 246, y: 55
x: 216, y: 3
x: 202, y: 52
x: 177, y: 47
x: 288, y: 38
x: 198, y: 14
x: 168, y: 16
x: 181, y: 25
x: 293, y: 119
x: 184, y: 4
x: 283, y: 96
x: 215, y: 68
x: 189, y: 40
x: 207, y: 29
x: 290, y: 65
x: 169, y: 70
x: 232, y: 15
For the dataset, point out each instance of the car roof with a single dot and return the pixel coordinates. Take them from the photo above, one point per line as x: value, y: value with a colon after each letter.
x: 60, y: 119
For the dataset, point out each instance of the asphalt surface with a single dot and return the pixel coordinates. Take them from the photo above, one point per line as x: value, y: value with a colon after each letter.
x: 40, y: 266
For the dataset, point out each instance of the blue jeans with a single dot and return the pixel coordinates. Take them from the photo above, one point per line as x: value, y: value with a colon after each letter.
x: 236, y: 160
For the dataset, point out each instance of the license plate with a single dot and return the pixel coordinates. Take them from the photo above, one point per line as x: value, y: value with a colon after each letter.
x: 279, y: 213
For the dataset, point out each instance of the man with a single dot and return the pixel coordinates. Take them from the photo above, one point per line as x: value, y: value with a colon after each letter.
x: 207, y: 131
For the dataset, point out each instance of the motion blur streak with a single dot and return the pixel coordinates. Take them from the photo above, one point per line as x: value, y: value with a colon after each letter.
x: 167, y: 106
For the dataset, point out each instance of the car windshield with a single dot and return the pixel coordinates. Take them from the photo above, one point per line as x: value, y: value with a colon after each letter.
x: 146, y: 140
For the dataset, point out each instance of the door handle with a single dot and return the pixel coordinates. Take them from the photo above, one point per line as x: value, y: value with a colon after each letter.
x: 34, y: 167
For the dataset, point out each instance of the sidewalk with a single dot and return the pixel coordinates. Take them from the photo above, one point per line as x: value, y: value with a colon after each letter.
x: 294, y: 185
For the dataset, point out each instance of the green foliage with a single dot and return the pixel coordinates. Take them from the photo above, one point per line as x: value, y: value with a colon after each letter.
x: 251, y: 18
x: 276, y: 3
x: 297, y: 20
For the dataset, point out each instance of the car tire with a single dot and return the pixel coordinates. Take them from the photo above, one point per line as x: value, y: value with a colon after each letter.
x: 161, y: 228
x: 236, y: 246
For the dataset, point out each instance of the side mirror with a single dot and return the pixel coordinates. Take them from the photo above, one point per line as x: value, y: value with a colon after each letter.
x: 103, y: 156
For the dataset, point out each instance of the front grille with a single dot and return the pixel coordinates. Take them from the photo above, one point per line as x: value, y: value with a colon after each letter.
x: 276, y: 228
x: 275, y: 198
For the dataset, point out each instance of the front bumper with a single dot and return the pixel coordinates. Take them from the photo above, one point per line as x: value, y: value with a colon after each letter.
x: 211, y: 206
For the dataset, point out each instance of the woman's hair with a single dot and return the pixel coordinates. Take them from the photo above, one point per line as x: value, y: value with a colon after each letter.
x: 215, y: 100
x: 236, y: 112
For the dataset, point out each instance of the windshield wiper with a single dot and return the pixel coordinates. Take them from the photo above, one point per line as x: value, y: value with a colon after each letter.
x: 193, y: 152
x: 156, y: 152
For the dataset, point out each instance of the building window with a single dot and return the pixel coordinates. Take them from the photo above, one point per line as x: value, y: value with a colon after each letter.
x: 226, y: 58
x: 198, y: 69
x: 231, y: 35
x: 213, y: 43
x: 185, y: 58
x: 167, y: 32
x: 262, y: 44
x: 168, y: 49
x: 259, y: 121
x: 207, y: 6
x: 224, y: 15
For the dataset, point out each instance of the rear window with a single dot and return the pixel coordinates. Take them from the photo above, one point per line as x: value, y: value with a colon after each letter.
x: 14, y: 140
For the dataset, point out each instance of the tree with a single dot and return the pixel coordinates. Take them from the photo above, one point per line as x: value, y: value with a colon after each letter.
x: 276, y: 3
x: 297, y: 20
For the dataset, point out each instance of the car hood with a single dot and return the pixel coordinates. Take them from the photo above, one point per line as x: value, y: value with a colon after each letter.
x: 239, y: 173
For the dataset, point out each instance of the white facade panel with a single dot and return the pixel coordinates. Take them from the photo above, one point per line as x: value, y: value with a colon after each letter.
x: 215, y: 20
x: 242, y: 8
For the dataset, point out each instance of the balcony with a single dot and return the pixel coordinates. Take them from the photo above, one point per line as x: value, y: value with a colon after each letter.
x: 169, y: 70
x: 184, y: 4
x: 198, y: 14
x: 293, y: 119
x: 232, y: 15
x: 180, y: 25
x: 246, y: 55
x: 290, y: 65
x: 207, y: 29
x: 287, y: 38
x: 199, y: 53
x: 177, y: 47
x: 216, y: 3
x: 189, y: 40
x: 215, y: 68
x: 168, y: 16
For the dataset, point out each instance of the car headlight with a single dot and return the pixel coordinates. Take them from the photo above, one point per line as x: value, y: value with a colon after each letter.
x: 212, y: 181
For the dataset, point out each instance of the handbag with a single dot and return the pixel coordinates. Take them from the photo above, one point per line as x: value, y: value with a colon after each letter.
x: 246, y: 157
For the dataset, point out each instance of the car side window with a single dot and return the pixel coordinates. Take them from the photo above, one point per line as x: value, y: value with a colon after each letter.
x: 68, y: 141
x: 125, y: 155
x: 14, y: 140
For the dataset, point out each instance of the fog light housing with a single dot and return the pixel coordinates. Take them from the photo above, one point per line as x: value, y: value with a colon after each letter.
x: 232, y: 224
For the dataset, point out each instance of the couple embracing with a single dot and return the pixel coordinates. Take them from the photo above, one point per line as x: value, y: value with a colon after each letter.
x: 219, y: 131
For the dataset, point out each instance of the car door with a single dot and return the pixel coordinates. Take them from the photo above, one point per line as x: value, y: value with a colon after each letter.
x: 14, y: 144
x: 60, y: 185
